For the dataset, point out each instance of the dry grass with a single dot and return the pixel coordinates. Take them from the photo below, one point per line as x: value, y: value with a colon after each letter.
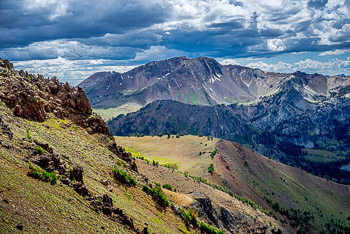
x: 184, y: 151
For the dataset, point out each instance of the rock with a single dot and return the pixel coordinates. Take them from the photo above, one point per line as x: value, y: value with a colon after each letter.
x: 107, y: 200
x: 65, y: 180
x: 133, y: 165
x: 18, y: 111
x: 84, y: 191
x: 19, y: 227
x: 145, y: 230
x: 43, y: 161
x: 205, y: 207
x: 107, y: 210
x: 96, y: 204
x: 105, y: 182
x: 128, y: 221
x: 56, y: 161
x: 77, y: 174
x: 118, y: 211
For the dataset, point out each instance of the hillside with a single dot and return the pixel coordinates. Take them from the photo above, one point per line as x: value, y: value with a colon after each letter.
x: 310, y: 201
x: 56, y: 173
x: 199, y: 81
x: 315, y: 137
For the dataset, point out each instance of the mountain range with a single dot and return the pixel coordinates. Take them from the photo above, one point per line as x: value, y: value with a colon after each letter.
x: 202, y: 81
x: 61, y: 170
x: 297, y: 118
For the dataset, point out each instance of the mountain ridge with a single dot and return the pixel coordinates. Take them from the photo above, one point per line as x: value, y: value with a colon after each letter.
x: 201, y: 81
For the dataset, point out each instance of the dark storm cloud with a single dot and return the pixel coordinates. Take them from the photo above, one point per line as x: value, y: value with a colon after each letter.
x: 124, y: 29
x: 22, y: 24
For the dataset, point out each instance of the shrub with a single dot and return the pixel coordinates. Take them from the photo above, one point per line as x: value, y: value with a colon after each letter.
x: 121, y: 163
x: 171, y: 165
x: 189, y: 217
x: 209, y: 229
x: 157, y: 194
x: 211, y: 168
x: 212, y: 154
x: 160, y: 134
x: 168, y: 187
x: 38, y: 173
x: 39, y: 150
x: 155, y: 163
x: 29, y: 137
x: 200, y: 135
x: 123, y: 176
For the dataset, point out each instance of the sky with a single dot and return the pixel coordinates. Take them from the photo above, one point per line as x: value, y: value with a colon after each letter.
x: 73, y: 39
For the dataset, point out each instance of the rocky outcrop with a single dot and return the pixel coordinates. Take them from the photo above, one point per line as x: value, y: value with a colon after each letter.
x: 35, y: 98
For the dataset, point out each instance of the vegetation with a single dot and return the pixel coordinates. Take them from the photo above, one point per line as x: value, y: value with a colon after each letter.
x: 155, y: 163
x: 211, y: 168
x: 190, y: 217
x: 40, y: 150
x: 123, y: 176
x: 209, y: 229
x: 29, y: 137
x: 121, y: 163
x: 172, y: 166
x: 212, y: 154
x: 41, y: 174
x: 157, y: 194
x: 169, y: 187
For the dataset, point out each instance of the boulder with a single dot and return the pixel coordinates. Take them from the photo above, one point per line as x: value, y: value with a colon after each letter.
x: 107, y: 200
x: 77, y: 174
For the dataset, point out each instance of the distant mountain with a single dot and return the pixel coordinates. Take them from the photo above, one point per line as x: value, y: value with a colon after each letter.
x: 198, y: 81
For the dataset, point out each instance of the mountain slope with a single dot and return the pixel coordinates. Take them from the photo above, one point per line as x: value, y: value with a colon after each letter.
x: 56, y: 172
x: 279, y: 127
x: 265, y: 181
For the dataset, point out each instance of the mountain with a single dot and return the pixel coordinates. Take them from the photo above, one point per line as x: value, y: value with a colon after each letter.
x: 288, y: 190
x: 314, y: 136
x: 199, y: 81
x: 62, y: 171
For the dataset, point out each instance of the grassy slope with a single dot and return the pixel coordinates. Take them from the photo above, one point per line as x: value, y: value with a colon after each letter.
x: 109, y: 113
x: 41, y: 207
x: 290, y: 187
x: 249, y: 174
x: 184, y: 151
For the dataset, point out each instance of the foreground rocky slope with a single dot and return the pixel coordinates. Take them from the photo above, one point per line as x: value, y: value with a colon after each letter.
x: 56, y: 172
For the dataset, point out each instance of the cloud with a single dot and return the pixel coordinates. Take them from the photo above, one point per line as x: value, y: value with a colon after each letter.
x: 332, y: 67
x: 157, y: 53
x: 334, y: 52
x: 138, y: 30
x: 73, y: 71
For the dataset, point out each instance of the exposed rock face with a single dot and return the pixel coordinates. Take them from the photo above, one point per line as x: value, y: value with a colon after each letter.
x: 33, y: 97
